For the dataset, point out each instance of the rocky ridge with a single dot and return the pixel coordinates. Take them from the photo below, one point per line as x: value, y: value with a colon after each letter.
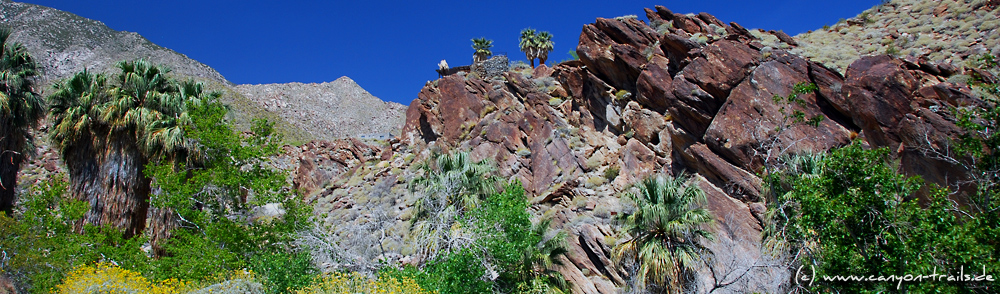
x: 695, y: 96
x: 64, y: 43
x: 331, y: 110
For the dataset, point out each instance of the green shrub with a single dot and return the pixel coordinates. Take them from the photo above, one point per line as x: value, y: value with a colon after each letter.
x: 455, y: 272
x: 351, y: 283
x: 283, y: 271
x: 45, y: 234
x: 852, y: 213
x: 611, y: 173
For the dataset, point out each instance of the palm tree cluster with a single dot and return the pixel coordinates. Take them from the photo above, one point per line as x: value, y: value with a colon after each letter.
x: 20, y: 110
x: 482, y: 47
x: 536, y: 45
x: 665, y: 229
x: 107, y: 131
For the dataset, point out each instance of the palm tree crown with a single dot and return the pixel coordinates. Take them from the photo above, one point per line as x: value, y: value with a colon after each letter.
x: 482, y: 47
x: 536, y: 45
x: 20, y: 110
x: 664, y: 230
x: 528, y: 44
x: 77, y: 131
x: 545, y: 44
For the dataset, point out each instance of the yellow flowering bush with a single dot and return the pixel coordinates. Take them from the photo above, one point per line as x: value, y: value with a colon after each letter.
x: 350, y: 283
x: 111, y: 279
x: 106, y: 278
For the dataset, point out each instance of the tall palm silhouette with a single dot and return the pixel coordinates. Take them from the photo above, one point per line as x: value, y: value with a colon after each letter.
x: 107, y: 131
x: 77, y: 131
x: 20, y: 110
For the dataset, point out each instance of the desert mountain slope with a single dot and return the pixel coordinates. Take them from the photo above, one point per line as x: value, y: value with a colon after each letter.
x: 940, y: 31
x: 329, y: 110
x: 64, y: 43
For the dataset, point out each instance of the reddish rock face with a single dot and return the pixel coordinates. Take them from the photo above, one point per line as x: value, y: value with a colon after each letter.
x: 455, y: 96
x: 613, y: 48
x: 752, y: 123
x: 319, y: 162
x: 700, y: 105
x: 902, y: 106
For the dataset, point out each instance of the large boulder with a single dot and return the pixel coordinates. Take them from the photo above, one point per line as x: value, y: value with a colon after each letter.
x: 753, y: 126
x: 900, y: 105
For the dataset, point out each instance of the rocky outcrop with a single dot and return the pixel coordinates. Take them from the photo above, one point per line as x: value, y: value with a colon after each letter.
x: 701, y: 98
x: 320, y: 162
x: 908, y: 107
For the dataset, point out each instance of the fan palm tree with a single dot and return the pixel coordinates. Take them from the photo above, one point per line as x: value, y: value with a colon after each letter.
x: 452, y: 185
x: 20, y: 110
x: 482, y: 47
x: 665, y: 230
x: 544, y: 44
x: 528, y: 43
x: 140, y: 100
x: 544, y: 257
x: 457, y: 177
x: 77, y: 131
x: 164, y: 138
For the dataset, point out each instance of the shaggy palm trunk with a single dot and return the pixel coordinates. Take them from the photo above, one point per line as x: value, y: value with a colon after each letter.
x: 81, y: 163
x: 162, y: 222
x: 10, y: 164
x: 124, y: 198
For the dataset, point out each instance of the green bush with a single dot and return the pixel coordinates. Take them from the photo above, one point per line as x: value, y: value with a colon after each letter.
x: 852, y: 213
x: 611, y: 173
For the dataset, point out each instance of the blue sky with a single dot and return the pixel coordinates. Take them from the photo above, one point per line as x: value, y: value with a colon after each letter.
x: 392, y: 48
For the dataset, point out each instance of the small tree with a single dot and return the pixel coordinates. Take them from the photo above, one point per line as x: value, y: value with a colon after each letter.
x: 482, y: 47
x: 665, y: 230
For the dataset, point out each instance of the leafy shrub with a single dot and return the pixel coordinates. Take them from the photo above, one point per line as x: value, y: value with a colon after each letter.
x: 520, y: 249
x: 206, y: 197
x: 611, y: 173
x: 852, y: 213
x: 45, y: 234
x: 284, y: 271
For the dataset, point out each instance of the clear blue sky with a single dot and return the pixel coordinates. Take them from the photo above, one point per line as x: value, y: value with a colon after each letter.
x: 392, y: 48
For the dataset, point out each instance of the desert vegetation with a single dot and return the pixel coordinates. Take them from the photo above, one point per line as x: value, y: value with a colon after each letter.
x: 850, y: 211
